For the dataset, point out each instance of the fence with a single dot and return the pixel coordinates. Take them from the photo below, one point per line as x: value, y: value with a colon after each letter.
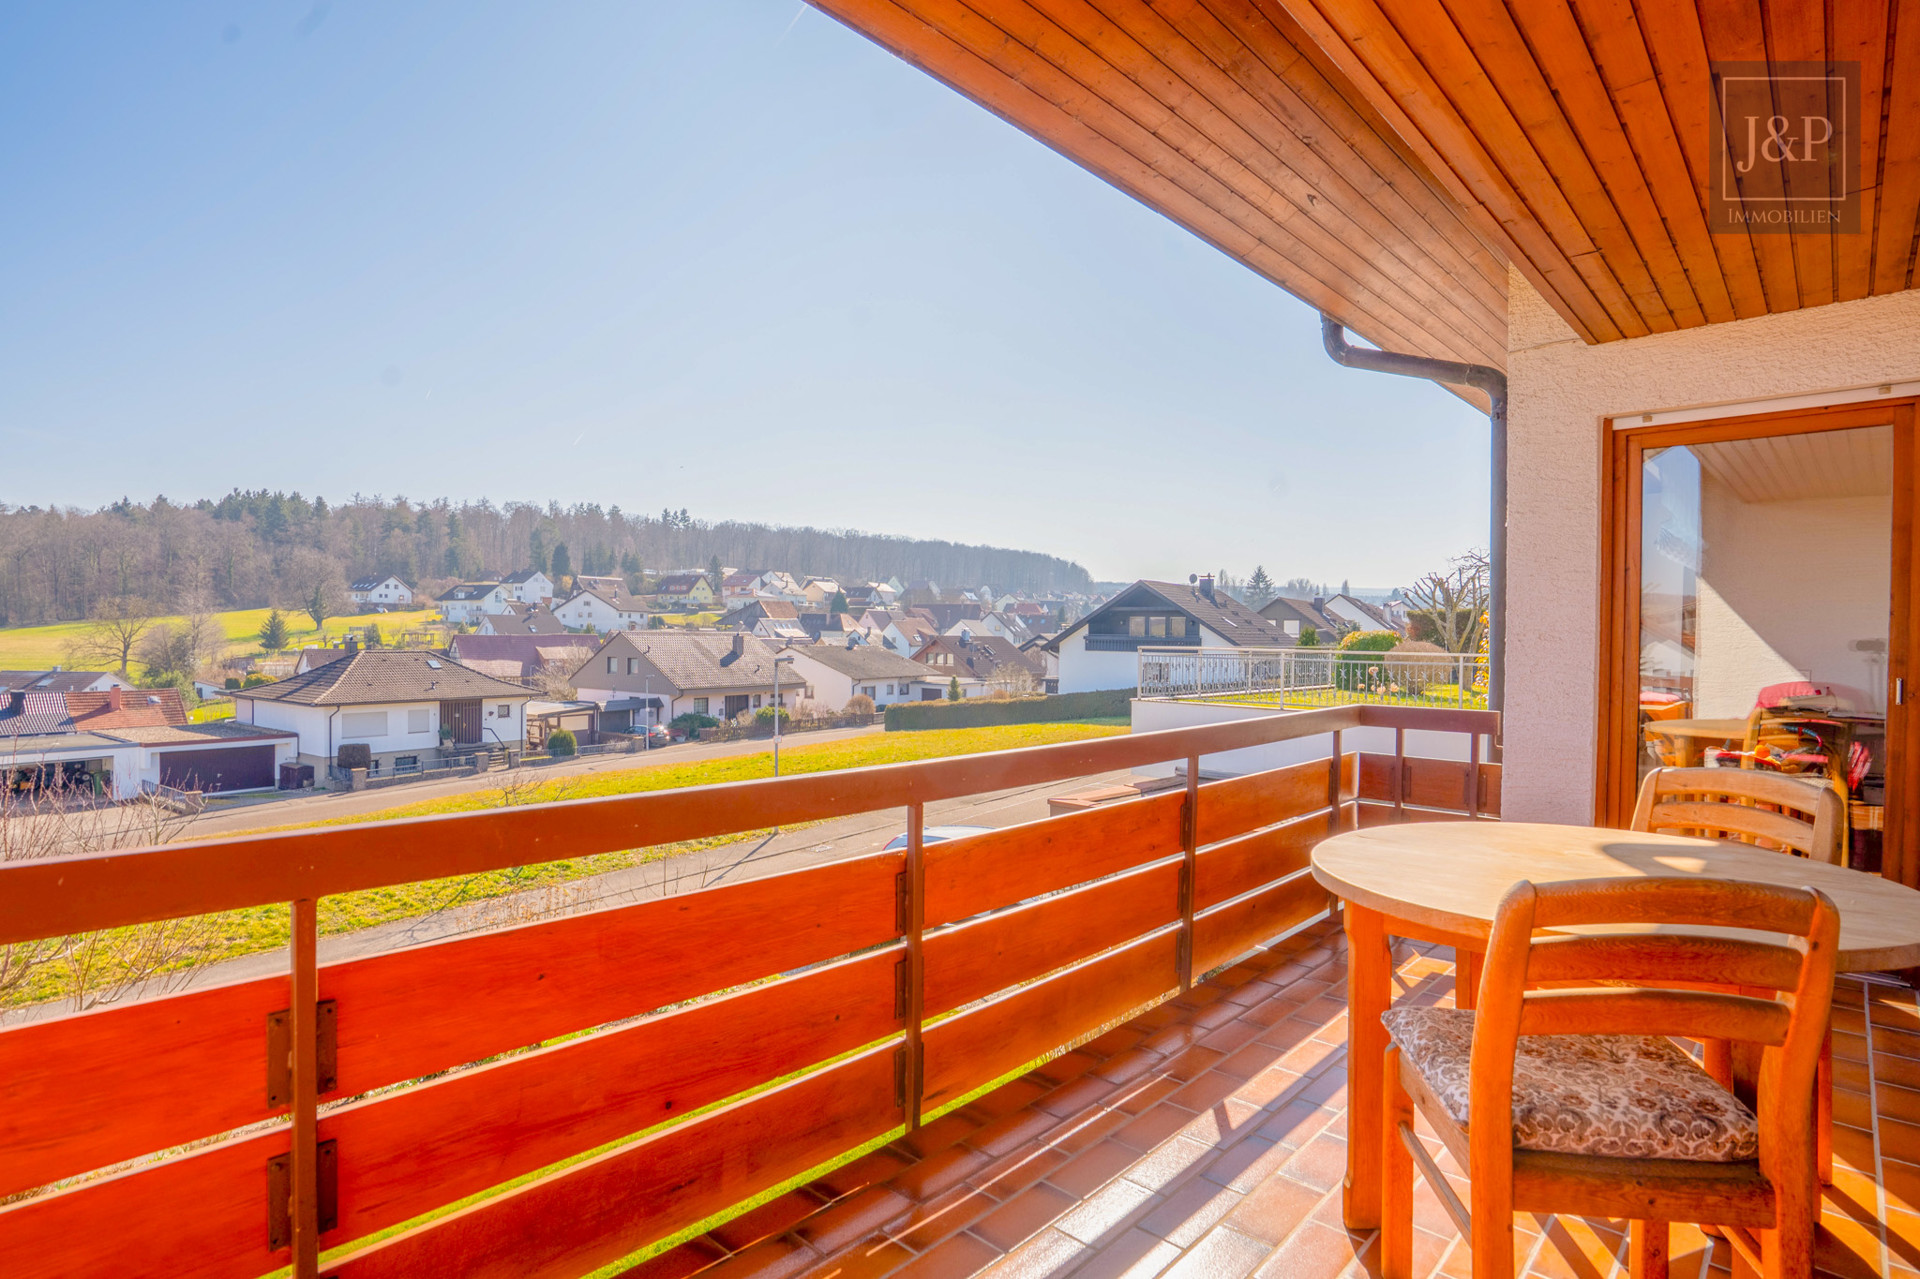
x: 615, y: 1077
x: 1309, y: 677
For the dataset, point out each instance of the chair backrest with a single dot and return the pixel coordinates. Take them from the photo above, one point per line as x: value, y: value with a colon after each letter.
x: 1795, y: 965
x: 1722, y: 803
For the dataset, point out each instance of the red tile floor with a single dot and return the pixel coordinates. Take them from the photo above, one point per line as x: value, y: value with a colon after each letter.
x: 1206, y: 1139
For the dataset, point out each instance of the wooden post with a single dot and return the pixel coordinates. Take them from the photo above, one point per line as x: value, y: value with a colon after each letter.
x: 916, y: 924
x: 1369, y: 987
x: 1333, y: 787
x: 1189, y: 850
x: 304, y: 1031
x: 1399, y: 774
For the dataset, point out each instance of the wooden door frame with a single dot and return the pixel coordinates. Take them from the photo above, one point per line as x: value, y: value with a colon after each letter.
x: 1617, y: 725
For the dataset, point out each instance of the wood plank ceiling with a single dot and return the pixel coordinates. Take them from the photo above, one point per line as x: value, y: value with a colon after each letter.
x: 1384, y: 159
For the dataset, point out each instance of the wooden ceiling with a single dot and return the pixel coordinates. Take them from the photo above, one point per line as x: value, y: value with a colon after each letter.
x: 1384, y: 159
x: 1791, y: 468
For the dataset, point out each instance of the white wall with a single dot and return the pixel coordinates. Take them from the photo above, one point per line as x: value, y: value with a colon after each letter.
x: 1084, y: 672
x: 1784, y: 588
x: 311, y: 722
x: 1561, y: 391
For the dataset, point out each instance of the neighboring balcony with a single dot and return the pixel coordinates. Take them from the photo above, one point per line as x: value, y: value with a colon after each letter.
x: 1096, y: 1042
x: 1300, y: 678
x: 1134, y: 643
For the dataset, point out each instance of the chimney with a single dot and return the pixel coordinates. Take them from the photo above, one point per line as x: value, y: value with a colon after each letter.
x: 353, y: 645
x: 739, y: 643
x: 113, y: 697
x: 1206, y: 586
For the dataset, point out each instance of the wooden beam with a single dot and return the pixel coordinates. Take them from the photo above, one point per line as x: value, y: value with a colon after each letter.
x: 1899, y: 194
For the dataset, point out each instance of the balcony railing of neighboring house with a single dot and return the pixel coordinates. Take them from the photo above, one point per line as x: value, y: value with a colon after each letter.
x: 1309, y: 677
x: 609, y: 1079
x: 1134, y: 643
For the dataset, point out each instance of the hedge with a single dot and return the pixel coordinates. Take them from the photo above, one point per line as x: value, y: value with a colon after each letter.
x: 979, y: 712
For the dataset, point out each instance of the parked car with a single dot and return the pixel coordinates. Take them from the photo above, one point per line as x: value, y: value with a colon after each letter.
x: 935, y: 835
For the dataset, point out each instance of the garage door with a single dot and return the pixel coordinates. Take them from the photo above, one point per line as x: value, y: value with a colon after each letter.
x: 238, y: 768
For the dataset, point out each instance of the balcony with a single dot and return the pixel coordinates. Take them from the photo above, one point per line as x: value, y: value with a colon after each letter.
x: 1100, y: 1043
x: 1299, y: 678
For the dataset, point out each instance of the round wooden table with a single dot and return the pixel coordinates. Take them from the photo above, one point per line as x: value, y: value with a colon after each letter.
x: 1691, y: 737
x: 1442, y: 882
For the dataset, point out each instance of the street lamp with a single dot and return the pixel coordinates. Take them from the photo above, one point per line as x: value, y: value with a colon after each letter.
x: 783, y: 660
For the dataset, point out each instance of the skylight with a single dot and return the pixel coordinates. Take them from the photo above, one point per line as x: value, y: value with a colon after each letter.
x: 434, y: 664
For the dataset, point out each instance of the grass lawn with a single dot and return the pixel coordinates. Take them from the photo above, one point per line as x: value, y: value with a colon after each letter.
x: 261, y: 928
x: 26, y: 648
x: 688, y: 619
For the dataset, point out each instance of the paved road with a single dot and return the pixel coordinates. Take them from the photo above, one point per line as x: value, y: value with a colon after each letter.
x: 784, y: 851
x: 234, y: 816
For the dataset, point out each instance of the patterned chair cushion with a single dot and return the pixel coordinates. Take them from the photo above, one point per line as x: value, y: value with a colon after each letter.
x: 1623, y: 1096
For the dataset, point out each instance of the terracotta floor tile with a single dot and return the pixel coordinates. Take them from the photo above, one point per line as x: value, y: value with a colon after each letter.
x: 1103, y: 1213
x: 960, y: 1257
x: 1896, y: 1136
x: 1093, y: 1168
x: 1275, y: 1208
x: 1067, y: 1067
x: 1847, y: 1248
x: 1852, y: 1109
x: 938, y: 1135
x: 855, y: 1217
x: 1164, y: 1163
x: 1143, y: 1095
x: 865, y: 1260
x: 1206, y: 1090
x: 1248, y: 1164
x: 1321, y: 1162
x: 1154, y: 1127
x: 779, y: 1258
x: 941, y: 1172
x: 1573, y: 1250
x: 1171, y: 1040
x: 1023, y: 1216
x: 1047, y: 1254
x: 1010, y: 1132
x: 677, y: 1263
x: 1084, y: 1093
x: 1902, y: 1184
x: 1233, y: 1036
x: 1192, y: 1063
x: 1114, y: 1042
x: 926, y: 1224
x: 1189, y: 1211
x: 864, y: 1171
x: 1296, y: 1123
x: 1093, y: 1131
x: 1015, y: 1172
x: 1269, y: 1086
x: 1903, y: 1237
x: 1134, y: 1255
x: 1249, y: 1060
x: 1313, y: 1252
x: 1223, y: 1253
x: 1890, y: 1068
x: 1200, y: 996
x: 1128, y: 1066
x: 1896, y: 1103
x: 774, y: 1217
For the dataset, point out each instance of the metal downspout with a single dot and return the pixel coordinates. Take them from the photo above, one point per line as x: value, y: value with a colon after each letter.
x: 1494, y: 383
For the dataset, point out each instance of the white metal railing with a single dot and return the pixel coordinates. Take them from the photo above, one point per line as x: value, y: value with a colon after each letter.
x: 1306, y: 677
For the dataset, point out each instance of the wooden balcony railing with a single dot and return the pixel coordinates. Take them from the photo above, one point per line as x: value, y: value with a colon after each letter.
x: 696, y: 1049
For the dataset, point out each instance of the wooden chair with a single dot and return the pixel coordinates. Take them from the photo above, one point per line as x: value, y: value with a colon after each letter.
x: 1724, y: 803
x: 1576, y: 1101
x: 1661, y: 748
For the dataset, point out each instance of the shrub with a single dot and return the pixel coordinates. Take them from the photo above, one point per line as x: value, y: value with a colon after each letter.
x: 232, y: 681
x: 999, y: 695
x: 561, y: 743
x: 353, y: 755
x: 859, y: 704
x: 1309, y: 637
x: 1369, y: 642
x: 766, y: 714
x: 953, y: 689
x: 1416, y: 677
x: 690, y: 724
x: 1354, y: 670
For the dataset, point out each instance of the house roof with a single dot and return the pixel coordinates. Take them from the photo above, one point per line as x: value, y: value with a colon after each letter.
x: 677, y: 583
x: 695, y: 660
x: 524, y: 618
x: 467, y: 591
x: 867, y: 661
x: 588, y: 582
x: 368, y: 583
x: 1225, y: 616
x: 224, y: 730
x: 379, y: 675
x: 617, y: 600
x: 36, y: 713
x: 523, y: 576
x: 528, y: 651
x: 1283, y: 608
x: 981, y: 658
x: 49, y: 681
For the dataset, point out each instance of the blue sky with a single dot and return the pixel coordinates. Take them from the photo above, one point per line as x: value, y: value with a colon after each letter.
x: 727, y: 256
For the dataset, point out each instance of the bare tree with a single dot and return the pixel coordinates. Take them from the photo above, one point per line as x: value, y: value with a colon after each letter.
x: 116, y: 630
x: 1454, y: 602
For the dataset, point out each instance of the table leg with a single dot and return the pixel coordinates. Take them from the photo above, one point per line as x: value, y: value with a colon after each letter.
x: 1466, y: 977
x: 1369, y: 988
x: 1689, y: 751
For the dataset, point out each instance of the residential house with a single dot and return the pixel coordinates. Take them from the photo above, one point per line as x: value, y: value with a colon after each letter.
x: 1047, y: 660
x: 521, y: 619
x: 777, y: 585
x: 602, y: 610
x: 1297, y: 616
x: 740, y: 586
x: 380, y: 592
x: 686, y: 588
x: 906, y: 631
x: 945, y: 616
x: 600, y: 585
x: 984, y: 663
x: 308, y: 659
x: 682, y: 672
x: 463, y: 604
x: 820, y: 590
x: 529, y: 586
x: 770, y: 620
x: 521, y: 657
x: 836, y: 673
x: 1101, y: 649
x: 56, y: 680
x: 117, y: 741
x: 408, y: 706
x: 1001, y: 624
x: 1358, y: 615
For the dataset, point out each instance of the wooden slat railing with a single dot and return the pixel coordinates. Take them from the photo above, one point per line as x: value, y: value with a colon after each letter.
x: 874, y: 990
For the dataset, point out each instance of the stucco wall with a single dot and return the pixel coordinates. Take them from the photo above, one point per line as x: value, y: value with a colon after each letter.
x: 1562, y: 390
